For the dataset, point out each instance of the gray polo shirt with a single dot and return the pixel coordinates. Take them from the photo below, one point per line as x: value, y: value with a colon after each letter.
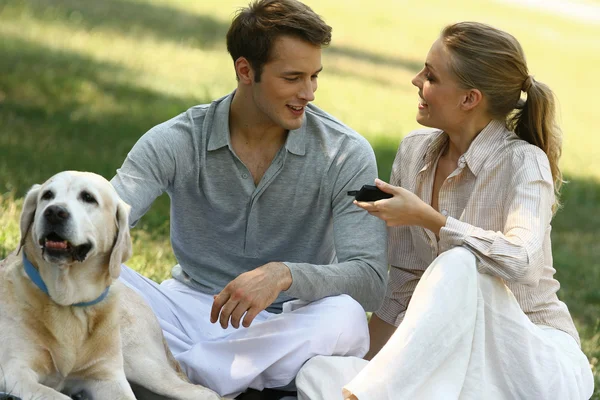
x: 223, y: 225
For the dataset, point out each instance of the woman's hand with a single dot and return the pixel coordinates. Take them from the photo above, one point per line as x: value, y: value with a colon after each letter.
x: 404, y: 209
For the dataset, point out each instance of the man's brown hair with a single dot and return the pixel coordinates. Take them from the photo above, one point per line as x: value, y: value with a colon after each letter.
x: 256, y: 27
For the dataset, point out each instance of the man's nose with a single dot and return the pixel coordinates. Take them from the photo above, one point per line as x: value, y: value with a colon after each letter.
x: 308, y: 91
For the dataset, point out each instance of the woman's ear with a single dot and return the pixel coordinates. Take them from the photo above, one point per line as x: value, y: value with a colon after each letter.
x: 471, y: 99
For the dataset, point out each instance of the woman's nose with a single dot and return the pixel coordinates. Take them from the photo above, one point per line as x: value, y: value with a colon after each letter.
x: 417, y: 80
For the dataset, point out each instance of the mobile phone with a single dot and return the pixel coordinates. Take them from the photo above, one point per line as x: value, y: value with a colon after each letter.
x: 369, y: 193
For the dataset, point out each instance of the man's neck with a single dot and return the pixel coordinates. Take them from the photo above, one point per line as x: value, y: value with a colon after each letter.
x: 247, y: 127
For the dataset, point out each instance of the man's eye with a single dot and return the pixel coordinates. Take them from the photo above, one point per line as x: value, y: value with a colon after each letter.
x: 294, y: 79
x: 87, y: 197
x: 47, y: 195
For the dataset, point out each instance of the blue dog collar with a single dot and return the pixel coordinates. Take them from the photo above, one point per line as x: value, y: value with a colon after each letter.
x: 36, y: 278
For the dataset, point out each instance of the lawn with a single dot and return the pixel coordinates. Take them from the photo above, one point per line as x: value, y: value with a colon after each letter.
x: 81, y: 81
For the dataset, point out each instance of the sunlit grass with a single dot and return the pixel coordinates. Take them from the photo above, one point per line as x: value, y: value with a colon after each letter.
x: 374, y: 97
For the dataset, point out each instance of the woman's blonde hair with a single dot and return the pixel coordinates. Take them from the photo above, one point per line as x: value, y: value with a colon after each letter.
x: 493, y: 61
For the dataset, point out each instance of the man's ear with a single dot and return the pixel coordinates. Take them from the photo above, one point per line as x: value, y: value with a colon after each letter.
x: 471, y: 99
x: 122, y: 248
x: 28, y: 212
x: 244, y: 71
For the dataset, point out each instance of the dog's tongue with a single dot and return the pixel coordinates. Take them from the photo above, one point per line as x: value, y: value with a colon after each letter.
x: 50, y: 244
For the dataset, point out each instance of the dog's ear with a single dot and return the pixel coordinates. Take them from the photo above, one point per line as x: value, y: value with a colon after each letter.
x: 122, y: 248
x: 28, y: 213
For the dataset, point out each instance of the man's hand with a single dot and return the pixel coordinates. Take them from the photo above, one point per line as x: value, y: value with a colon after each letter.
x: 249, y: 294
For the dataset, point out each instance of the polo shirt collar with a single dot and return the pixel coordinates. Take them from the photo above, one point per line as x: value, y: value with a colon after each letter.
x: 296, y: 140
x: 220, y: 135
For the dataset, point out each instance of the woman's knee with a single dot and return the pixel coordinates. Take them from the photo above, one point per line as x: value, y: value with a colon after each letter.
x: 457, y: 259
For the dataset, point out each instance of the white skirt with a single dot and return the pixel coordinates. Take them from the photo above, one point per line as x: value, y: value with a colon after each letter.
x: 464, y: 336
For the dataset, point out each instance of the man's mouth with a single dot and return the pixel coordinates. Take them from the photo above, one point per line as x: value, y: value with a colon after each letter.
x: 296, y: 109
x: 56, y: 246
x: 422, y: 102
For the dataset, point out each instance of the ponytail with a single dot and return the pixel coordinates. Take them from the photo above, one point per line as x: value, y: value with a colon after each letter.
x: 534, y: 121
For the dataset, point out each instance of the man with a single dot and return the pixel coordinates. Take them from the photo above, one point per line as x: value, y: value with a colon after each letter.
x: 260, y: 216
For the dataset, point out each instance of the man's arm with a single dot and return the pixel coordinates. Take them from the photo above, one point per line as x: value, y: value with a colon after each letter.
x: 149, y: 168
x: 360, y: 239
x: 360, y: 242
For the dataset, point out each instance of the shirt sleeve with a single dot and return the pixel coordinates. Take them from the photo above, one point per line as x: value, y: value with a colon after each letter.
x: 516, y: 254
x: 360, y: 239
x: 147, y: 172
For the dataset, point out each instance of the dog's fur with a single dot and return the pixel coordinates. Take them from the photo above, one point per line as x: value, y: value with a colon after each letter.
x: 49, y: 346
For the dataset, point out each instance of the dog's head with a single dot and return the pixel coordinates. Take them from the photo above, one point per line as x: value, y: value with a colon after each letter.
x: 74, y: 217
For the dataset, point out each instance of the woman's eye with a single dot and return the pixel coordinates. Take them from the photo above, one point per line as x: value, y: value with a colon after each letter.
x: 88, y: 198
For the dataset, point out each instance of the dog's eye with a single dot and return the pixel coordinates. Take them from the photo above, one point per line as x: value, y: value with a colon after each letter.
x: 87, y: 197
x: 47, y: 195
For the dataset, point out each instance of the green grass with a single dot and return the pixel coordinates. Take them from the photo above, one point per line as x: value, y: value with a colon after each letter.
x: 81, y: 81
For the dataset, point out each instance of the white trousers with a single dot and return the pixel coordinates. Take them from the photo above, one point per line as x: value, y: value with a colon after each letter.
x: 267, y: 354
x: 464, y: 336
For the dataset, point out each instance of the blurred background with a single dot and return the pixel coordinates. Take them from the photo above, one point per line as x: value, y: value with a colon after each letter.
x: 81, y: 81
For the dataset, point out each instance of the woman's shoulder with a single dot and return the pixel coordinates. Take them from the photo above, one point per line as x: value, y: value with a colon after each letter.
x: 420, y: 137
x: 523, y: 155
x: 422, y: 134
x: 521, y: 150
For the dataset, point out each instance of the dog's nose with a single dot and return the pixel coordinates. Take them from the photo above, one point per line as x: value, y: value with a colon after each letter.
x: 56, y: 214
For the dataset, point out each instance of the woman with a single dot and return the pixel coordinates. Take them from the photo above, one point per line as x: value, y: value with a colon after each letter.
x: 471, y: 281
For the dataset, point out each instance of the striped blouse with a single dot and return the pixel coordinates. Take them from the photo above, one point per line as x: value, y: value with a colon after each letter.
x: 499, y: 206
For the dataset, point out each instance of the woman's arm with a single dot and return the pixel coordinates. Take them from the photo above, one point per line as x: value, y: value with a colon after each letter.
x: 515, y: 251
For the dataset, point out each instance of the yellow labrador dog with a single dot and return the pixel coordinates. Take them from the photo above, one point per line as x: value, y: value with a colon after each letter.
x: 67, y: 325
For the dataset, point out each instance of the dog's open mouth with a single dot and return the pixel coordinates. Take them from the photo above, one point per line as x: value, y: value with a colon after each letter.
x: 58, y: 247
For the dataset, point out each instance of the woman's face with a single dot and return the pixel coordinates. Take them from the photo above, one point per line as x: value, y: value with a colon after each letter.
x: 440, y: 95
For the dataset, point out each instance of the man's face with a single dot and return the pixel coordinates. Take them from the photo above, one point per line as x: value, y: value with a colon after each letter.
x: 288, y: 82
